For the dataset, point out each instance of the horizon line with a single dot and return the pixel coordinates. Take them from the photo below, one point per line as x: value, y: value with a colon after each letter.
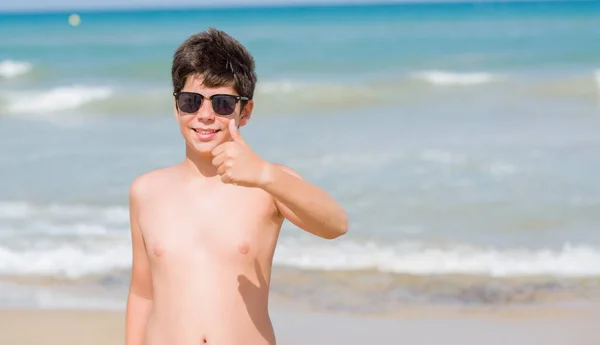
x: 274, y: 4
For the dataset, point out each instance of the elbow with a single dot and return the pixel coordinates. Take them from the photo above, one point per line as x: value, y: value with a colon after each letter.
x: 338, y: 230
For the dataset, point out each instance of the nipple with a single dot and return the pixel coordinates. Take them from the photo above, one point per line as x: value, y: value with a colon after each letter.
x: 158, y: 250
x: 244, y: 248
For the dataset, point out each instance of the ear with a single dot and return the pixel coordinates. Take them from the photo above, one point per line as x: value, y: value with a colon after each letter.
x: 246, y: 113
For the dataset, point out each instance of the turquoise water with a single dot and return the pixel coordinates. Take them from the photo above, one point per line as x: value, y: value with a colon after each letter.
x: 461, y: 138
x: 318, y: 52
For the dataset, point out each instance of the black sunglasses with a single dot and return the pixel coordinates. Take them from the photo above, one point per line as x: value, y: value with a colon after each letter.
x: 190, y: 102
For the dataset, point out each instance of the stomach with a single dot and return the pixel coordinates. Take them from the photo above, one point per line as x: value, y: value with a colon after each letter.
x: 218, y: 306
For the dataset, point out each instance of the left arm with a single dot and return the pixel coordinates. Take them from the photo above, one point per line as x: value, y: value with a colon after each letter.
x: 304, y: 204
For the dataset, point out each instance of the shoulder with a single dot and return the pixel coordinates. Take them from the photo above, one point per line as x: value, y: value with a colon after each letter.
x: 143, y: 185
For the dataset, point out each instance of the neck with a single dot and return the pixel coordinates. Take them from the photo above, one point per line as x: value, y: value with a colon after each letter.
x: 198, y: 164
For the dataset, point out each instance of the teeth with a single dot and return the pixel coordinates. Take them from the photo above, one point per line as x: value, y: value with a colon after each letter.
x: 204, y: 132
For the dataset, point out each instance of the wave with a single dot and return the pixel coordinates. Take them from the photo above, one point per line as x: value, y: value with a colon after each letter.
x: 418, y: 86
x: 68, y: 260
x: 284, y: 96
x: 418, y: 258
x: 13, y: 69
x: 56, y: 99
x: 65, y: 240
x: 274, y: 97
x: 73, y: 260
x: 77, y: 240
x: 80, y: 258
x: 445, y: 78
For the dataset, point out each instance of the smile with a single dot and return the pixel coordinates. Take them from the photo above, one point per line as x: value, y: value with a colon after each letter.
x: 205, y: 131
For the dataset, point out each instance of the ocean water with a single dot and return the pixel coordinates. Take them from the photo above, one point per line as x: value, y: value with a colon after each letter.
x: 462, y: 139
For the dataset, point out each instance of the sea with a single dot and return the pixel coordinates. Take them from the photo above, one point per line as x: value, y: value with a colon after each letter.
x: 462, y: 139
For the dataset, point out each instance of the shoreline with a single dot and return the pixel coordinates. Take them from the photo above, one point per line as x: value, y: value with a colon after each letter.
x: 369, y: 294
x: 571, y: 324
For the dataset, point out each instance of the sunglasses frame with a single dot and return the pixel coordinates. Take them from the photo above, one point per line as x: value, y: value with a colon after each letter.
x: 202, y: 98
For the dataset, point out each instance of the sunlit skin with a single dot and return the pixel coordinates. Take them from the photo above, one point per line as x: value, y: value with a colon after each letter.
x: 205, y: 230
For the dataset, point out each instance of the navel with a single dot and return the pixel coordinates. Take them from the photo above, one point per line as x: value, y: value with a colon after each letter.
x: 158, y: 250
x: 244, y: 248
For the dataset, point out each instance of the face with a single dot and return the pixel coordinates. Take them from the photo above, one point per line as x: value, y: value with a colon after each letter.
x: 205, y: 129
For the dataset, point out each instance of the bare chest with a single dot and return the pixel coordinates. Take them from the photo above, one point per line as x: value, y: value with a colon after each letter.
x: 233, y: 225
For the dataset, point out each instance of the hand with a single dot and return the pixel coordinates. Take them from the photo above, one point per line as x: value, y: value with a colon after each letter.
x: 236, y: 163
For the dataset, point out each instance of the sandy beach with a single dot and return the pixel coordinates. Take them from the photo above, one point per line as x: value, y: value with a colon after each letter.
x: 572, y: 325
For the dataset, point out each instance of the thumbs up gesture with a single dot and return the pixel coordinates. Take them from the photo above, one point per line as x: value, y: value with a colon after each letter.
x: 236, y: 163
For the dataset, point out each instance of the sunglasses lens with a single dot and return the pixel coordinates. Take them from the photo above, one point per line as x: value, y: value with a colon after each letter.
x: 189, y: 103
x: 223, y: 104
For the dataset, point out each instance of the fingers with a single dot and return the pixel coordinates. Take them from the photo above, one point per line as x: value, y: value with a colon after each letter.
x: 223, y: 164
x: 227, y: 153
x: 222, y: 171
x: 234, y: 132
x: 218, y: 160
x: 221, y: 149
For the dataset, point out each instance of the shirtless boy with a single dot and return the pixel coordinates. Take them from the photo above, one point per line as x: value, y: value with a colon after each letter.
x: 204, y: 231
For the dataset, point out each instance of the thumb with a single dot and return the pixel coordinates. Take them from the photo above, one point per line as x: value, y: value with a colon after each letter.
x: 234, y: 132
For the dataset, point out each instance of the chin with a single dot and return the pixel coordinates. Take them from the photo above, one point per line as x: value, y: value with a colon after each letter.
x: 203, y: 148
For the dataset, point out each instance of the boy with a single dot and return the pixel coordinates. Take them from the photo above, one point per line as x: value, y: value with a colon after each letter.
x: 204, y: 231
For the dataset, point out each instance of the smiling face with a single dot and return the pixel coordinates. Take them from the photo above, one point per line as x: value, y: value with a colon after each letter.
x: 205, y: 129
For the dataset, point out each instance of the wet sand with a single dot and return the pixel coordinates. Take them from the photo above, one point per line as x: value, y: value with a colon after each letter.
x: 560, y: 325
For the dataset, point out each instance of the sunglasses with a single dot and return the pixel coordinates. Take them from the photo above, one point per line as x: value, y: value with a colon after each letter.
x: 190, y: 102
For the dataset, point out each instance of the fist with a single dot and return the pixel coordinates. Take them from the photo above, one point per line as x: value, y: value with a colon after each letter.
x: 236, y: 163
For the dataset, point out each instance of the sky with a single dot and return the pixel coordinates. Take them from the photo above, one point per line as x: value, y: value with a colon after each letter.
x: 46, y: 5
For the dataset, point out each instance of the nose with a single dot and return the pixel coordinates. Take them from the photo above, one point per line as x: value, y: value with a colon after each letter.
x: 205, y: 113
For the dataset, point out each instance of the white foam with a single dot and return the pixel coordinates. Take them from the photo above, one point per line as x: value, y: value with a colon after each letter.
x: 56, y: 99
x: 15, y: 210
x: 443, y: 78
x: 419, y: 259
x: 97, y: 241
x: 78, y: 259
x: 12, y: 69
x: 67, y: 260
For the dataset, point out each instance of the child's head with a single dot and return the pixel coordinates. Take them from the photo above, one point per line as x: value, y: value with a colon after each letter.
x: 206, y: 64
x: 219, y: 58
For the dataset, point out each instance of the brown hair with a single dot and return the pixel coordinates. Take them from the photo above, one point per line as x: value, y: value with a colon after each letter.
x: 218, y: 58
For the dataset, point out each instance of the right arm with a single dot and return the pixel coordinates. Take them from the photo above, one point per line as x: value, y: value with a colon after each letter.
x: 139, y: 300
